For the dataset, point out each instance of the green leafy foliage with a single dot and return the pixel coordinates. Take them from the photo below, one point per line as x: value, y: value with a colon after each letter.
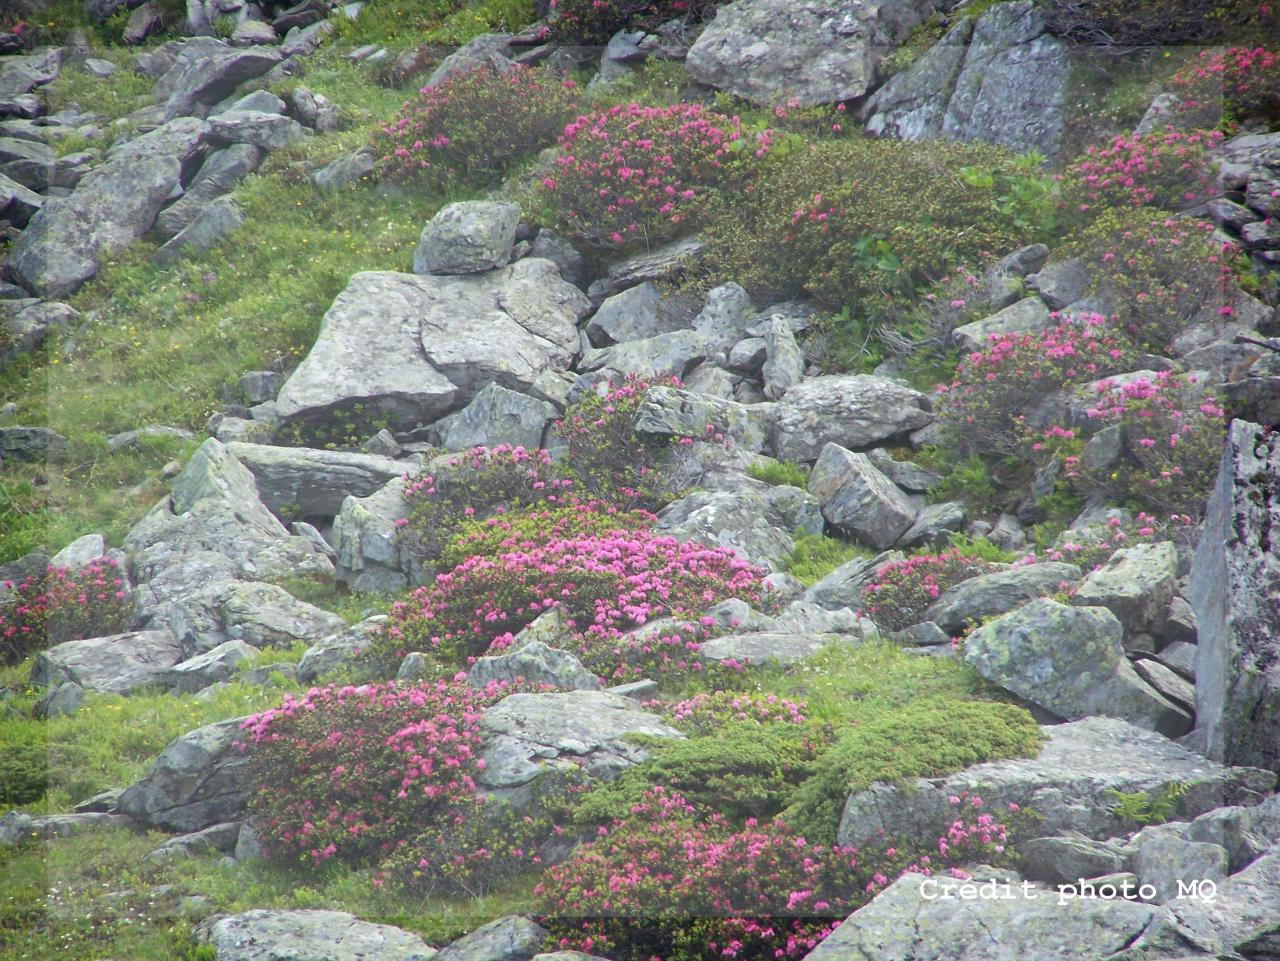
x: 817, y: 555
x: 779, y: 472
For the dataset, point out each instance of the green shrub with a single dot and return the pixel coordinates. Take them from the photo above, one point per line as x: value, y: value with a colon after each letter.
x: 817, y: 555
x: 856, y: 219
x: 929, y: 738
x: 526, y: 529
x: 745, y: 770
x: 595, y: 21
x: 24, y: 772
x: 1143, y: 23
x: 779, y: 473
x: 473, y: 127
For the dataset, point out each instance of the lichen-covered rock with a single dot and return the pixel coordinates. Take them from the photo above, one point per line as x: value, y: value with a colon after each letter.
x: 1136, y: 584
x: 854, y: 411
x: 497, y: 416
x: 636, y: 313
x: 757, y: 521
x: 1235, y: 591
x: 339, y: 650
x: 675, y: 413
x: 467, y: 237
x: 999, y: 592
x: 859, y: 500
x: 536, y: 663
x: 217, y: 664
x: 118, y: 664
x: 311, y: 481
x: 307, y: 935
x: 764, y: 647
x: 506, y: 939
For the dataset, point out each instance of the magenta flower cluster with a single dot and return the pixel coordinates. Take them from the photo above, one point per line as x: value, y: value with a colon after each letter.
x: 1168, y: 169
x: 60, y: 604
x: 902, y: 591
x: 707, y: 712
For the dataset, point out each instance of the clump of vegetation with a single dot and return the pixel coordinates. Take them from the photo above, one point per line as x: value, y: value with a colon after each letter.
x: 903, y: 590
x: 1168, y: 169
x: 1146, y: 23
x: 473, y: 127
x: 596, y: 21
x: 817, y: 555
x: 525, y: 529
x: 61, y: 604
x: 779, y: 473
x: 1239, y: 83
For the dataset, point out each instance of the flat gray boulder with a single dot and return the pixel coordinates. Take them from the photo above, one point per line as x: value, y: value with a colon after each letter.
x: 315, y: 481
x: 1136, y: 585
x: 339, y: 650
x: 217, y: 221
x: 117, y: 664
x: 1070, y: 661
x: 467, y: 237
x: 309, y: 935
x: 261, y: 615
x: 764, y: 647
x: 676, y: 413
x: 221, y: 171
x: 772, y: 51
x: 269, y: 131
x: 1069, y: 785
x: 638, y: 312
x: 672, y: 354
x: 536, y: 663
x: 999, y: 592
x: 1235, y: 592
x: 217, y: 664
x: 1027, y: 316
x: 208, y: 70
x: 853, y: 410
x: 496, y: 416
x: 756, y: 521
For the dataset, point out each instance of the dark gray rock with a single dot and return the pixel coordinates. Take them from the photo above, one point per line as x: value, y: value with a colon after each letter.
x: 665, y: 355
x: 217, y: 664
x: 218, y: 220
x: 206, y: 71
x: 859, y: 500
x: 314, y: 482
x: 853, y: 411
x: 496, y: 416
x: 221, y: 171
x: 345, y: 170
x: 118, y: 664
x: 637, y: 313
x: 506, y: 939
x: 1235, y: 591
x: 1069, y: 859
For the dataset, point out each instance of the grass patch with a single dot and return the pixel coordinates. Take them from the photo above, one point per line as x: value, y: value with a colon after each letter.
x: 779, y: 472
x: 817, y: 555
x: 115, y: 97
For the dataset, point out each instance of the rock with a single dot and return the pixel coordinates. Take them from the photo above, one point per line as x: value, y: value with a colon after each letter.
x: 314, y: 482
x: 262, y: 615
x: 909, y: 921
x: 1136, y: 584
x: 661, y: 263
x: 31, y: 444
x: 16, y: 828
x: 20, y: 75
x: 637, y: 313
x: 725, y: 317
x: 131, y: 439
x: 1004, y: 279
x: 537, y: 663
x: 28, y: 324
x: 987, y: 595
x: 314, y: 110
x: 934, y: 524
x: 771, y: 52
x: 1171, y: 685
x: 748, y: 355
x: 467, y: 237
x: 1165, y: 861
x: 102, y: 803
x: 1068, y: 785
x: 60, y: 700
x: 675, y: 413
x: 112, y: 207
x: 217, y: 837
x: 1027, y: 316
x: 80, y: 552
x: 488, y: 49
x: 526, y: 734
x: 345, y: 170
x: 339, y: 650
x: 26, y: 106
x: 1235, y: 592
x: 18, y: 204
x: 304, y: 41
x: 843, y: 587
x: 268, y: 131
x: 197, y: 781
x: 206, y: 71
x: 307, y: 935
x: 764, y: 647
x: 221, y: 171
x: 366, y: 540
x: 665, y: 355
x: 506, y: 939
x: 117, y: 664
x: 1062, y: 283
x: 1242, y: 914
x: 784, y: 361
x: 252, y: 32
x: 858, y: 499
x: 211, y: 226
x: 853, y: 411
x: 756, y: 521
x: 1070, y: 661
x: 217, y: 664
x: 497, y: 416
x: 1068, y: 860
x: 551, y: 246
x: 28, y: 163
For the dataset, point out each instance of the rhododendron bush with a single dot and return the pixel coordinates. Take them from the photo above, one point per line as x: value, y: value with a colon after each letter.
x: 61, y: 604
x: 902, y: 591
x: 604, y: 585
x: 635, y: 175
x: 474, y: 126
x: 1169, y: 169
x: 672, y: 882
x: 525, y: 530
x: 1093, y: 546
x: 1242, y: 82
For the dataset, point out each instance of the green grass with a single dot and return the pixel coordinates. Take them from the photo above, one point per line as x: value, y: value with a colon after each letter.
x: 817, y: 555
x: 779, y: 472
x: 120, y: 94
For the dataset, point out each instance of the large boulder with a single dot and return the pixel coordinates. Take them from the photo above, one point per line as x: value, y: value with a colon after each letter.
x: 645, y: 310
x: 764, y: 647
x: 199, y: 780
x: 844, y: 586
x: 206, y: 71
x: 411, y: 348
x: 257, y: 128
x: 671, y: 354
x: 1069, y: 785
x: 314, y: 481
x: 998, y: 593
x: 1002, y: 80
x: 506, y: 939
x: 262, y: 615
x: 366, y: 539
x: 859, y: 500
x: 114, y: 205
x: 773, y: 51
x: 1027, y: 316
x: 676, y: 413
x: 340, y: 650
x: 20, y: 75
x: 1070, y: 661
x: 1235, y: 591
x: 118, y: 664
x: 467, y: 237
x: 496, y: 416
x: 536, y: 663
x: 308, y: 935
x: 217, y: 176
x: 1136, y: 585
x: 855, y: 410
x: 527, y: 735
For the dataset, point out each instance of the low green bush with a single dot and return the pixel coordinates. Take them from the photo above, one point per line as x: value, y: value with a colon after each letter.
x: 24, y: 771
x: 1144, y: 23
x: 528, y: 528
x: 929, y: 738
x: 779, y: 473
x: 817, y: 555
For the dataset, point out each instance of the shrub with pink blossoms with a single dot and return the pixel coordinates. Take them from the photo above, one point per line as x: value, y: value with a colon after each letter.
x: 982, y: 408
x: 1241, y: 82
x: 670, y: 883
x: 472, y: 127
x: 349, y: 772
x: 605, y: 586
x: 634, y: 175
x: 709, y: 712
x: 1092, y: 547
x: 1168, y: 169
x: 61, y: 604
x: 903, y: 590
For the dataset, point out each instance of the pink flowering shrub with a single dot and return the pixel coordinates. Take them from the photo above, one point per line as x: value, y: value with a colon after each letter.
x: 1092, y: 547
x: 524, y: 530
x: 673, y: 883
x: 481, y: 483
x: 1162, y: 273
x: 605, y: 586
x: 709, y: 712
x: 1173, y: 434
x: 903, y: 590
x: 635, y: 176
x: 1241, y: 82
x: 60, y: 605
x: 1168, y: 169
x: 362, y: 767
x: 471, y: 128
x: 981, y: 409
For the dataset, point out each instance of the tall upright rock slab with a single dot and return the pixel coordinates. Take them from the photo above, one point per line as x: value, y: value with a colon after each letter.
x: 1235, y: 591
